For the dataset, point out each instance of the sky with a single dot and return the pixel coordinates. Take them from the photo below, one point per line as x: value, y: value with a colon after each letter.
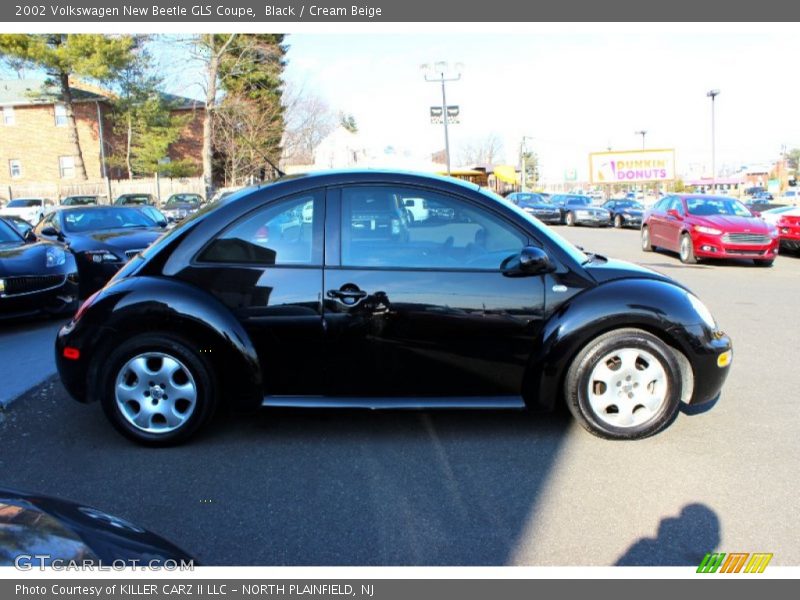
x: 571, y: 91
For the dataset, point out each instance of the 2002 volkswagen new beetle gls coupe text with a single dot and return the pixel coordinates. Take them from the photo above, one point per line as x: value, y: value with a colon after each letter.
x: 319, y: 291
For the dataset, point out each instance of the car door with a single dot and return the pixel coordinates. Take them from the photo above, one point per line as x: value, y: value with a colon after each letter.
x: 423, y: 308
x: 656, y: 221
x: 673, y: 224
x: 266, y: 267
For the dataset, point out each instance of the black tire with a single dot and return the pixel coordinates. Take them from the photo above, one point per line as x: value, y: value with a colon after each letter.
x: 173, y: 346
x: 618, y: 221
x: 570, y: 219
x: 763, y: 262
x: 576, y: 385
x: 646, y: 245
x: 686, y: 251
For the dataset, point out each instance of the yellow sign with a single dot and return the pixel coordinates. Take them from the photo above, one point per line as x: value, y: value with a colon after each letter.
x: 632, y: 166
x: 506, y: 173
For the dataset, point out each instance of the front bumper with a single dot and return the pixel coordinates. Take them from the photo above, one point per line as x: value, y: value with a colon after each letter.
x: 594, y: 221
x: 631, y: 221
x: 711, y: 358
x: 707, y: 246
x: 59, y: 299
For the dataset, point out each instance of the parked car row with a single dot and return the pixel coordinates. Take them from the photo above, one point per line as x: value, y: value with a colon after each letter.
x: 576, y: 209
x: 71, y: 252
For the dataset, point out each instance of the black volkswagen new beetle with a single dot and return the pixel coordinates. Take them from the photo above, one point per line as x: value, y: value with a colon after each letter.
x: 318, y: 291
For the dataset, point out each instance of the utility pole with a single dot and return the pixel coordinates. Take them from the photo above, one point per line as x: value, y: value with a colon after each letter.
x: 713, y: 94
x: 438, y: 73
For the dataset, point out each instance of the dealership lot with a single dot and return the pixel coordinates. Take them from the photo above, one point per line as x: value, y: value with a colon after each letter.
x: 455, y: 488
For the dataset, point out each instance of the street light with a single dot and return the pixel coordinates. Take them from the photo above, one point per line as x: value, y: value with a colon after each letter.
x: 713, y: 94
x: 522, y: 151
x: 440, y: 72
x: 641, y: 133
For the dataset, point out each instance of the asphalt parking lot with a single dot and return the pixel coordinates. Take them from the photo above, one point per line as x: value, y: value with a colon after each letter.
x: 325, y: 488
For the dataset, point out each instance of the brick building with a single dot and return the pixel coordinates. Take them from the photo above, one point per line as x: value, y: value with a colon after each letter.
x: 34, y: 134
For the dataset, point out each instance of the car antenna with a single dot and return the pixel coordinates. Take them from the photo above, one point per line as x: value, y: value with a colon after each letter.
x: 265, y: 157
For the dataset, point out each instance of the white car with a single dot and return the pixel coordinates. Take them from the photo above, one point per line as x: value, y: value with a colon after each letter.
x: 417, y: 209
x: 30, y: 209
x: 791, y: 196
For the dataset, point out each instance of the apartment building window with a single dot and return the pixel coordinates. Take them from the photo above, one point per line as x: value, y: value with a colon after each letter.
x: 61, y: 115
x: 66, y: 167
x: 8, y: 115
x: 15, y: 168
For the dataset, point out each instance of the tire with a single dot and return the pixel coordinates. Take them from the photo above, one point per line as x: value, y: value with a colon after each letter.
x: 174, y: 367
x: 618, y: 222
x: 762, y: 262
x: 570, y: 219
x: 686, y: 250
x: 646, y: 245
x: 642, y: 370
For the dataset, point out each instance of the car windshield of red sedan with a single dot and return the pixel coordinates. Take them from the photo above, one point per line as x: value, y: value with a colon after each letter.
x: 707, y: 207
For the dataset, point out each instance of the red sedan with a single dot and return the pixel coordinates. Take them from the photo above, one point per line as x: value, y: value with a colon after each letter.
x: 699, y: 227
x: 789, y: 229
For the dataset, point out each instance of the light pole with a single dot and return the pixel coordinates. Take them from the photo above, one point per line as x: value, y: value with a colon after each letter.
x: 522, y: 151
x: 641, y: 132
x: 440, y: 73
x: 713, y: 94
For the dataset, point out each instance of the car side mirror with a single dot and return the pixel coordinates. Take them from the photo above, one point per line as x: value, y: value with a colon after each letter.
x: 531, y: 260
x: 51, y: 231
x: 674, y: 213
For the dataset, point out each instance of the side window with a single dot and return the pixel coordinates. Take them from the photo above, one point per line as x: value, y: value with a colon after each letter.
x: 281, y: 233
x: 387, y: 226
x: 676, y: 204
x: 661, y: 205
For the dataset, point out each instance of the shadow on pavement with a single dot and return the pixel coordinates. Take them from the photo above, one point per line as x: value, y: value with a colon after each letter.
x: 302, y: 487
x: 681, y: 541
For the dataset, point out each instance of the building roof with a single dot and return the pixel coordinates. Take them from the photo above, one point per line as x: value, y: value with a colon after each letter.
x: 21, y: 92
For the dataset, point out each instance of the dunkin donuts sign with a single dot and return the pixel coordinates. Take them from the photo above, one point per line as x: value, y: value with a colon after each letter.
x: 632, y: 166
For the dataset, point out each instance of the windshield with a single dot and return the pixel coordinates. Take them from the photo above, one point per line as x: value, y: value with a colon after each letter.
x: 578, y: 201
x: 143, y: 199
x: 542, y: 229
x: 708, y: 207
x: 74, y: 200
x: 8, y: 233
x: 24, y: 203
x: 100, y: 219
x: 629, y: 204
x: 530, y: 200
x: 184, y: 199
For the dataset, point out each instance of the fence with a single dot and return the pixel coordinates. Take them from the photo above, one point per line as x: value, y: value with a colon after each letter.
x: 160, y: 187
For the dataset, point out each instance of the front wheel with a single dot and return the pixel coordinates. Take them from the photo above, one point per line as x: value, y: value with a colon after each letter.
x: 624, y: 385
x: 618, y: 221
x: 647, y: 246
x: 570, y: 219
x: 687, y: 250
x: 156, y: 390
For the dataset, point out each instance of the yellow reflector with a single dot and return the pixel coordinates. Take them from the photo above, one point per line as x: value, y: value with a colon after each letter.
x: 724, y: 359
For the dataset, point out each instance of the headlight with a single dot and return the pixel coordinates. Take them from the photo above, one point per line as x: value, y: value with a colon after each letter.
x: 101, y: 256
x: 773, y: 232
x: 702, y: 311
x: 707, y: 230
x: 55, y: 257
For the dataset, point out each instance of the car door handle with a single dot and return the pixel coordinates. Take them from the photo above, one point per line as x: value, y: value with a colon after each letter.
x: 347, y: 294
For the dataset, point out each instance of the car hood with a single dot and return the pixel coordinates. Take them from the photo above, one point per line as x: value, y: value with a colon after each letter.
x: 631, y: 211
x: 731, y: 224
x: 604, y: 269
x: 119, y: 240
x: 179, y: 206
x: 23, y: 259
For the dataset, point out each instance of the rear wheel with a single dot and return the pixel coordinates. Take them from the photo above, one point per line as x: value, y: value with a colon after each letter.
x: 624, y: 385
x: 646, y: 245
x: 618, y: 221
x: 570, y: 219
x: 156, y: 390
x: 687, y: 250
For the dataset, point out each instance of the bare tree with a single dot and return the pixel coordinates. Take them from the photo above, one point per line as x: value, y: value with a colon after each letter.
x: 484, y: 151
x: 309, y: 119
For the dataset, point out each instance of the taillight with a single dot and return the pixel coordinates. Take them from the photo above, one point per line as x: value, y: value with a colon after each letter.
x: 84, y: 306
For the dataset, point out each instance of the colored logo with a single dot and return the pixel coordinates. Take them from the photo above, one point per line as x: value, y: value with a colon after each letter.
x: 734, y: 562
